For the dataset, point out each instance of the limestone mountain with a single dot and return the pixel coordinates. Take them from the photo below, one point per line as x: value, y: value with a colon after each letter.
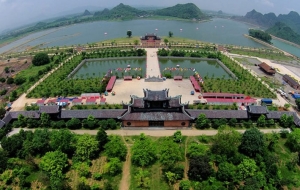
x: 120, y: 12
x: 292, y: 19
x: 86, y: 13
x: 283, y: 31
x: 184, y: 11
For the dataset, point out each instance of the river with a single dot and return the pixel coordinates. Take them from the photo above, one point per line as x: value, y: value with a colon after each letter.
x: 219, y: 31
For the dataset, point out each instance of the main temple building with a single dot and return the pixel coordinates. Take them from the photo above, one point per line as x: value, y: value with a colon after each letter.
x: 156, y: 108
x: 150, y: 41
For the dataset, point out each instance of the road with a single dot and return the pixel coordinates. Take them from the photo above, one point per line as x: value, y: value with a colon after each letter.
x: 152, y: 132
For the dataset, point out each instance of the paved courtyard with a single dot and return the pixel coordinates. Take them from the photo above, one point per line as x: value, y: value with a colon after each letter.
x: 124, y: 89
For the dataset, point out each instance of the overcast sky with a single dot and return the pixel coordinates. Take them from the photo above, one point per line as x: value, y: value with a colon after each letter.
x: 18, y: 12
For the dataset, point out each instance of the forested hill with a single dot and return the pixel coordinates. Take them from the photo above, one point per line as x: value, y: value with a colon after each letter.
x: 283, y: 31
x: 185, y: 11
x: 268, y: 20
x: 121, y: 11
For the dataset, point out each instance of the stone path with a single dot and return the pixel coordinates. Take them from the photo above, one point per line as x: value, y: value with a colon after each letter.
x: 153, y: 132
x: 152, y: 63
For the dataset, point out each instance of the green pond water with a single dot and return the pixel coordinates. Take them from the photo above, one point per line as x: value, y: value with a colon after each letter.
x: 98, y: 68
x: 188, y: 67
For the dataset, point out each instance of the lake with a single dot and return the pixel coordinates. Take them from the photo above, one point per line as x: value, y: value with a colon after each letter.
x: 188, y: 67
x: 219, y: 31
x: 120, y: 68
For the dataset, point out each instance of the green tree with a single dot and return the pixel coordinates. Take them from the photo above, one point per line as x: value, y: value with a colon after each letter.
x: 136, y: 42
x: 63, y: 140
x: 86, y: 147
x: 143, y: 151
x: 293, y: 141
x: 40, y: 59
x: 202, y: 122
x: 142, y: 178
x: 102, y: 138
x: 83, y: 169
x: 3, y: 160
x: 45, y: 120
x: 2, y: 112
x: 171, y: 177
x: 298, y: 103
x: 184, y: 185
x: 54, y: 163
x: 226, y: 172
x: 114, y: 166
x: 195, y: 150
x: 74, y: 123
x: 252, y: 143
x: 115, y: 148
x: 199, y: 168
x: 286, y: 121
x: 226, y: 142
x: 169, y: 153
x: 177, y: 137
x: 246, y: 168
x: 261, y: 122
x: 170, y: 34
x: 166, y: 41
x: 129, y: 33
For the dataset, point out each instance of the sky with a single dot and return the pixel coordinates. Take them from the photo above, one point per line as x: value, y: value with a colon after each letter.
x: 14, y: 13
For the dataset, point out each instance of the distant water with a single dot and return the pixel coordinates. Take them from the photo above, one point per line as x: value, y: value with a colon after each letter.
x: 286, y: 47
x: 219, y: 31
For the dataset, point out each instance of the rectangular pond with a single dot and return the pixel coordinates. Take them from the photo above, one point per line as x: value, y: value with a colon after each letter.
x: 120, y: 67
x: 186, y: 67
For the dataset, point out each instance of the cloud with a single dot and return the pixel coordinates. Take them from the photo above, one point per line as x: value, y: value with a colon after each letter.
x: 267, y: 2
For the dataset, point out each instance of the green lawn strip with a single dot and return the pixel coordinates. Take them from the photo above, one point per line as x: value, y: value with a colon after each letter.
x: 267, y: 54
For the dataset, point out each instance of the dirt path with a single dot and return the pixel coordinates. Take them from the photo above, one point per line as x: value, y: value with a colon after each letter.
x: 125, y: 181
x: 186, y: 163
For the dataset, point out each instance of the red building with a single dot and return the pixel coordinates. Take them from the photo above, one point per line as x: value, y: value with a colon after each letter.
x: 150, y: 40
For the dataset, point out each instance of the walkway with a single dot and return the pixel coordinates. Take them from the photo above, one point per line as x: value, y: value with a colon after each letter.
x: 153, y: 132
x: 152, y: 63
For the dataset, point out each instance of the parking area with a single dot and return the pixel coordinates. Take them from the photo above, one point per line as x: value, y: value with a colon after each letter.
x: 252, y: 63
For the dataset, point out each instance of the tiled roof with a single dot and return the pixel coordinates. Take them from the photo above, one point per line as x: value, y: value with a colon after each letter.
x: 2, y: 124
x: 7, y: 118
x: 77, y: 100
x: 175, y: 102
x: 291, y: 80
x: 40, y: 101
x: 28, y: 114
x: 218, y: 114
x: 137, y: 102
x: 222, y: 94
x: 91, y: 100
x: 258, y: 109
x: 156, y: 116
x: 278, y: 114
x: 105, y: 114
x: 49, y: 109
x: 267, y: 68
x: 160, y: 95
x: 296, y: 119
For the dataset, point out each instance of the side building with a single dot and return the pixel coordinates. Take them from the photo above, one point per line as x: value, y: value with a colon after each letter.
x: 267, y: 69
x: 292, y: 82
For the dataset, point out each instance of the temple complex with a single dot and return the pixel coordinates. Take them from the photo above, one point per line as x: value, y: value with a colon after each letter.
x: 156, y: 109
